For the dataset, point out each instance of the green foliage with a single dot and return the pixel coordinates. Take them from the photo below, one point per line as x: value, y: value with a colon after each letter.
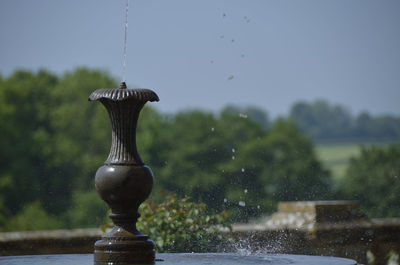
x: 24, y: 143
x: 279, y: 166
x: 53, y: 140
x: 82, y: 131
x: 33, y: 217
x: 87, y: 210
x: 321, y: 120
x: 196, y: 146
x: 179, y: 225
x: 232, y: 162
x: 373, y: 179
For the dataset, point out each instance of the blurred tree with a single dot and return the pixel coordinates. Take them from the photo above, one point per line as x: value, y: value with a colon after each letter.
x: 33, y: 217
x: 279, y: 166
x: 190, y: 155
x: 82, y: 131
x: 87, y: 210
x: 373, y: 179
x: 52, y: 140
x: 320, y: 120
x: 385, y: 127
x: 232, y: 162
x: 363, y: 125
x: 25, y: 105
x: 323, y: 121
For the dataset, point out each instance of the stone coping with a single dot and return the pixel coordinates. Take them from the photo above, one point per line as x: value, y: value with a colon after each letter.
x: 64, y: 234
x: 364, y: 224
x: 376, y: 228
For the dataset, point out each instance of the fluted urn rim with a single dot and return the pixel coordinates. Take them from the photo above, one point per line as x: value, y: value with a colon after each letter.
x: 119, y: 94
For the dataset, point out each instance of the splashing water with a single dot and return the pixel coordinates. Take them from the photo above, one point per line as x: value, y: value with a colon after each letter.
x: 125, y: 42
x: 251, y: 245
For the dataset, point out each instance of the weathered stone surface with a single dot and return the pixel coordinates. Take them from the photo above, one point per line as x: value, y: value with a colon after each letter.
x: 311, y: 213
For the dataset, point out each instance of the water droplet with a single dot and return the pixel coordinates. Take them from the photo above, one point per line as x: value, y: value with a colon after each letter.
x: 212, y: 129
x: 242, y: 115
x: 245, y: 190
x: 242, y: 203
x: 242, y: 169
x: 233, y: 157
x: 233, y: 150
x: 258, y: 207
x: 225, y: 200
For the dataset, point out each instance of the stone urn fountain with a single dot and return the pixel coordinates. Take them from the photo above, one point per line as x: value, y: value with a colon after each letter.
x: 124, y: 181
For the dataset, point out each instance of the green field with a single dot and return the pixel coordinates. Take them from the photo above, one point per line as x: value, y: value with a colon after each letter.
x: 336, y: 156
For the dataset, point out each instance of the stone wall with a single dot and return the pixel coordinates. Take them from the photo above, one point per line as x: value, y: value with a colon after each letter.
x: 333, y: 228
x: 330, y: 228
x: 77, y: 241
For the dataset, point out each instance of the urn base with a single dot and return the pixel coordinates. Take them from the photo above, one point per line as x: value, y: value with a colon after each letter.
x: 135, y: 250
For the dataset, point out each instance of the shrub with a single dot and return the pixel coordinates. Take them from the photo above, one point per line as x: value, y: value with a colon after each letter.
x: 179, y: 225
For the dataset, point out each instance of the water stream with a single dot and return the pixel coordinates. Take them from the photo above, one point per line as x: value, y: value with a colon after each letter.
x: 125, y: 42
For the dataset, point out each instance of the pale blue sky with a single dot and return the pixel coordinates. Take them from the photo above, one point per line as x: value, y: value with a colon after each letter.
x: 278, y: 52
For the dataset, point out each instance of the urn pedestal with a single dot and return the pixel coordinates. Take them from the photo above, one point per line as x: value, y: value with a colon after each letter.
x: 124, y: 181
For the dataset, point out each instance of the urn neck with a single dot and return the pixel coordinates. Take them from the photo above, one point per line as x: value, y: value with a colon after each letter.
x: 123, y: 115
